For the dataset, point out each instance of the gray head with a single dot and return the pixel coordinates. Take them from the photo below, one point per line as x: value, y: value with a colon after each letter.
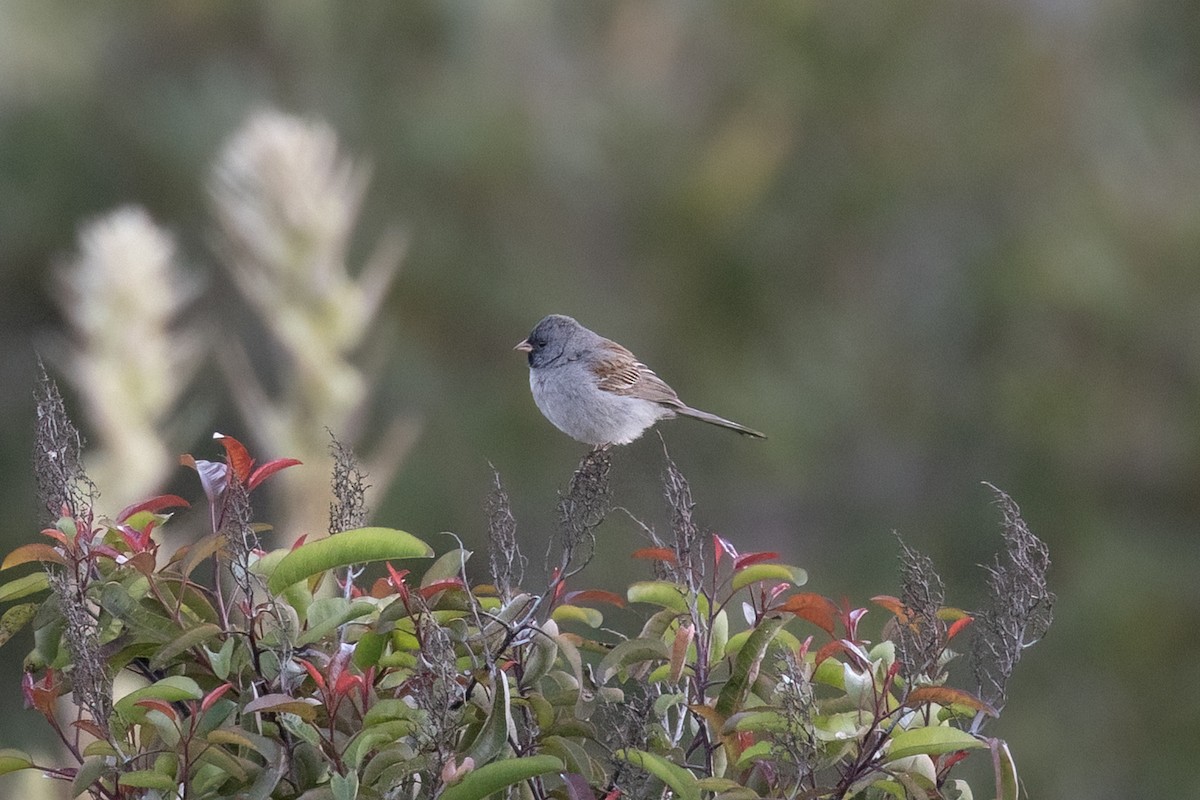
x: 553, y: 338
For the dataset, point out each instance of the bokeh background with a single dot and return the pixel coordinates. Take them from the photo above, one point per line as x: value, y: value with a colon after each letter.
x: 921, y: 245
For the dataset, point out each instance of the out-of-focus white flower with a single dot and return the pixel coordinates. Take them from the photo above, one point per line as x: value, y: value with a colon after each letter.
x: 121, y: 296
x: 286, y: 201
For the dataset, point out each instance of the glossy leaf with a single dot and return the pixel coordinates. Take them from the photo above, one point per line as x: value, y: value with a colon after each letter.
x: 12, y: 760
x: 948, y: 696
x: 34, y: 551
x: 660, y: 593
x: 153, y: 505
x: 681, y: 781
x: 448, y: 566
x: 268, y: 469
x: 493, y: 736
x: 190, y: 638
x: 328, y: 614
x: 349, y: 547
x: 749, y: 559
x: 815, y: 608
x: 172, y: 689
x: 23, y: 587
x: 629, y: 652
x: 15, y: 619
x: 1008, y: 787
x: 491, y: 778
x: 586, y: 616
x: 737, y: 688
x: 594, y: 596
x: 656, y: 554
x: 303, y: 707
x: 769, y: 572
x: 931, y: 740
x: 146, y: 779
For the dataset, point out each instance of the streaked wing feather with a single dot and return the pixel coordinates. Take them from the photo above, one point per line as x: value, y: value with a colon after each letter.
x: 621, y: 373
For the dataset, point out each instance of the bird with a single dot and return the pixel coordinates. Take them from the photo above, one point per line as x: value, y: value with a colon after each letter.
x: 596, y: 391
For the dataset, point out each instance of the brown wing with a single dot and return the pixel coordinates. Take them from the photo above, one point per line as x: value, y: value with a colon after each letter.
x: 621, y: 373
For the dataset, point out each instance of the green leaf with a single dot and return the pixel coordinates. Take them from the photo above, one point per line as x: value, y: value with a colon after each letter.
x: 932, y: 741
x: 755, y: 752
x: 493, y: 736
x: 146, y: 779
x: 1009, y: 787
x: 490, y: 778
x: 368, y: 649
x: 303, y: 707
x: 89, y: 772
x: 23, y: 587
x: 137, y: 617
x: 659, y: 593
x: 628, y: 652
x: 448, y: 565
x: 329, y: 613
x: 733, y: 695
x: 769, y: 572
x: 15, y: 619
x: 344, y: 787
x: 170, y: 690
x: 719, y: 638
x: 568, y: 613
x: 189, y: 639
x: 13, y: 760
x: 680, y: 780
x: 349, y: 547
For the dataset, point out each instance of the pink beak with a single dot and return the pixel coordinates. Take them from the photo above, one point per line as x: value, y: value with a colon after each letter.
x: 524, y: 346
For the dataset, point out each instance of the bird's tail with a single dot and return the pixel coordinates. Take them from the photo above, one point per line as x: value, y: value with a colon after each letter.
x: 713, y: 419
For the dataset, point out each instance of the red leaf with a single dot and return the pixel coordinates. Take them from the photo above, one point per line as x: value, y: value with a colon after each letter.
x: 817, y: 609
x: 720, y: 545
x: 317, y: 677
x: 594, y: 595
x: 301, y: 540
x: 143, y: 563
x: 237, y: 456
x: 945, y: 695
x: 35, y: 551
x: 577, y: 787
x: 892, y: 604
x: 397, y: 581
x: 42, y: 694
x: 56, y: 535
x: 950, y: 759
x: 89, y: 727
x: 159, y: 705
x: 656, y: 554
x: 214, y: 696
x: 753, y: 558
x: 153, y: 505
x: 841, y: 645
x: 346, y: 681
x: 268, y: 469
x: 957, y: 627
x: 850, y: 619
x: 441, y: 586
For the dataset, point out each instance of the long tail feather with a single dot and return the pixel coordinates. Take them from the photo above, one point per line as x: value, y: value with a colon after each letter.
x: 713, y: 419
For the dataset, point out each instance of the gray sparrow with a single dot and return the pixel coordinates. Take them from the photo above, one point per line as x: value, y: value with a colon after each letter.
x: 596, y: 391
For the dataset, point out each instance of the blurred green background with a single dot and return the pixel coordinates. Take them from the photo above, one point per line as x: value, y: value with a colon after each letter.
x: 920, y: 245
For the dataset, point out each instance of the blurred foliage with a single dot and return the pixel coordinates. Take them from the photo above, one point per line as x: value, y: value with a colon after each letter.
x: 919, y: 245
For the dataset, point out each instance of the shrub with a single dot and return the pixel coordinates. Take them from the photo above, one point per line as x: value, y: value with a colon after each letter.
x: 284, y: 674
